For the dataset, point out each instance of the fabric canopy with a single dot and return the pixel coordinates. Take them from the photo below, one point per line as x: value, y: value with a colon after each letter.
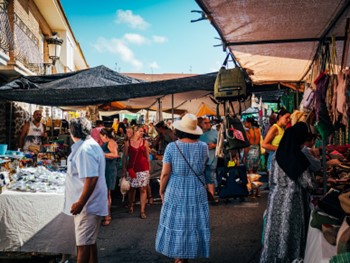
x: 277, y: 40
x: 98, y: 85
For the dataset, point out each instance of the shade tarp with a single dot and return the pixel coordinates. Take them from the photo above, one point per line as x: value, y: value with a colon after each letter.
x: 95, y: 86
x: 277, y: 40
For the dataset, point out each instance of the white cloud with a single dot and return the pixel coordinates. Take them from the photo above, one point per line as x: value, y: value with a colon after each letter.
x: 118, y: 47
x: 135, y: 39
x: 154, y: 65
x: 133, y: 21
x: 159, y: 39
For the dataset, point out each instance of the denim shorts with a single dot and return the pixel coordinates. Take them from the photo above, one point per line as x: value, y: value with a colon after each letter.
x: 210, y: 175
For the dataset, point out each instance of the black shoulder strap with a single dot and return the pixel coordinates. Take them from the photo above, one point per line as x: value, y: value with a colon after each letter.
x: 189, y: 164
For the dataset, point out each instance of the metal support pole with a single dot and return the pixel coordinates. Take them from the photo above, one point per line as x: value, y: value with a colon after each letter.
x: 10, y: 126
x: 324, y: 144
x: 297, y: 97
x: 172, y: 108
x: 52, y: 122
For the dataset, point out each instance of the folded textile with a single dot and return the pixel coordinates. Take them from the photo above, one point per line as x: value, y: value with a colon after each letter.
x: 319, y: 218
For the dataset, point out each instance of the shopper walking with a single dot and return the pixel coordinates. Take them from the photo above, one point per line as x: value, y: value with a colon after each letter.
x: 95, y: 132
x: 183, y: 231
x: 110, y: 149
x: 136, y: 166
x: 86, y: 189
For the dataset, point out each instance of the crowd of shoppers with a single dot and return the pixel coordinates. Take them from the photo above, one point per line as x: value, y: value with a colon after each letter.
x: 189, y: 166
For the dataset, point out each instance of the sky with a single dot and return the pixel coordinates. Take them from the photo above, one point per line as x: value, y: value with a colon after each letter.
x: 145, y: 36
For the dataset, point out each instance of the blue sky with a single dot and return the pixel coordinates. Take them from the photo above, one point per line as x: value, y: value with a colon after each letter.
x: 144, y: 36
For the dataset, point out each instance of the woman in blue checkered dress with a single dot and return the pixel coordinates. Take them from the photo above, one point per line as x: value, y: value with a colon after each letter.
x: 183, y: 231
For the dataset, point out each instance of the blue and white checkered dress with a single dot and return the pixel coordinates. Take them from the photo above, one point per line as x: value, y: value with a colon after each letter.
x: 183, y: 230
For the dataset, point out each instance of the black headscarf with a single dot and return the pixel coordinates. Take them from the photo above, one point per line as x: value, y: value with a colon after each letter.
x: 289, y: 155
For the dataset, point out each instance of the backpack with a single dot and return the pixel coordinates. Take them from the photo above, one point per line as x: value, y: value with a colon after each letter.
x: 230, y: 83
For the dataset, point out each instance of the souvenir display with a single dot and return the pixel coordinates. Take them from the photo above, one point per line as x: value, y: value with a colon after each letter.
x: 37, y: 179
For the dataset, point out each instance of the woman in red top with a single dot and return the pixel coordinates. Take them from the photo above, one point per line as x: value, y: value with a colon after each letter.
x: 136, y: 157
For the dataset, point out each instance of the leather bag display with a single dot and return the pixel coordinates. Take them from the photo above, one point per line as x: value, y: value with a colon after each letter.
x: 330, y: 204
x: 230, y: 83
x: 235, y: 133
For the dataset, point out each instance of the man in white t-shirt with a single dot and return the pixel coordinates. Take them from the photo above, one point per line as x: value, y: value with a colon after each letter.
x: 86, y: 189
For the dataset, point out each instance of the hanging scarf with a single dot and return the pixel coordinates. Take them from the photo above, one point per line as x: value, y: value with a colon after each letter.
x: 289, y: 155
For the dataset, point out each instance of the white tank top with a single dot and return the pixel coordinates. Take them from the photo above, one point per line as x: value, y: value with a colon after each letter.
x: 34, y: 135
x: 35, y: 131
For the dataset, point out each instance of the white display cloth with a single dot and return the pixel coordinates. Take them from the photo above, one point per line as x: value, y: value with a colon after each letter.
x: 34, y: 222
x: 318, y: 250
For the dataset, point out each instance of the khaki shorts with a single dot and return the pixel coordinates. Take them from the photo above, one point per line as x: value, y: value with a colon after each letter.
x: 86, y: 228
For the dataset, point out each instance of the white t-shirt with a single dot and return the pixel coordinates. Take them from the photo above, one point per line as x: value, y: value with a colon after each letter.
x: 86, y: 160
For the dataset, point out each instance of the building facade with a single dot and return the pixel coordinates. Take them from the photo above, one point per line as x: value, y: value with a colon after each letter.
x: 25, y: 27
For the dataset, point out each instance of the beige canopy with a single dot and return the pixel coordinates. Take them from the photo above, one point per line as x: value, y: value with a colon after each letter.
x: 277, y: 40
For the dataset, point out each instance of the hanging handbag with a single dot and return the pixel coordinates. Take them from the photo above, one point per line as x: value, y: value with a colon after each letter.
x: 230, y: 83
x: 210, y: 196
x: 235, y: 133
x: 131, y: 171
x: 124, y: 186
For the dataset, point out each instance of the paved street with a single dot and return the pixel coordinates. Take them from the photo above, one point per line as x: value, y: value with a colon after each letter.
x: 235, y: 234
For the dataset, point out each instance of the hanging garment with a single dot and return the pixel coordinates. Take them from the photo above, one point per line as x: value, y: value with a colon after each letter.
x: 219, y: 150
x: 334, y: 112
x: 308, y: 98
x: 342, y: 106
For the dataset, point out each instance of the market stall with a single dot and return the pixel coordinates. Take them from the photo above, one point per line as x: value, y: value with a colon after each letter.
x: 306, y: 46
x: 31, y: 204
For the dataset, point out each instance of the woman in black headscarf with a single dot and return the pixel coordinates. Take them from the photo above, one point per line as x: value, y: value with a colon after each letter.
x: 285, y: 235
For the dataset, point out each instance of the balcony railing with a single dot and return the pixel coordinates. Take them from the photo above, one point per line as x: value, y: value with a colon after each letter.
x: 27, y: 49
x: 6, y: 36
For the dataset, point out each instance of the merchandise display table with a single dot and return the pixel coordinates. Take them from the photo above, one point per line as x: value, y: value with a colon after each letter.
x: 34, y: 222
x: 318, y: 250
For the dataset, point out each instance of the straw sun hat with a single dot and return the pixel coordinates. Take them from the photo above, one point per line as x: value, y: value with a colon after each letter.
x: 188, y: 124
